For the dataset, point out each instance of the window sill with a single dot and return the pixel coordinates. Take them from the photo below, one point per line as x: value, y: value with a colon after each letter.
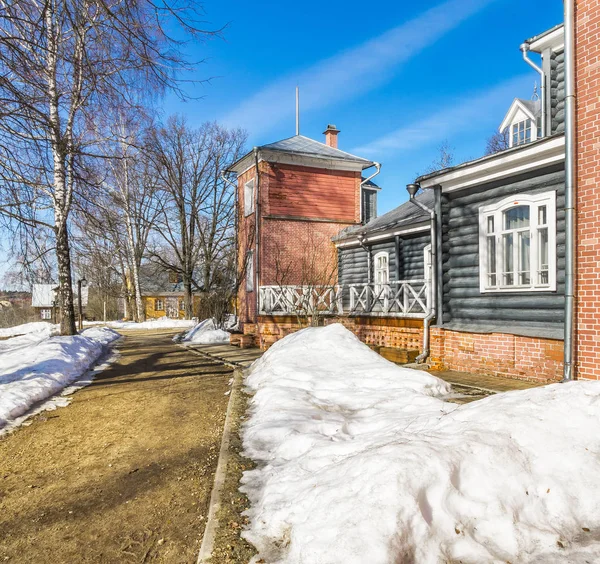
x: 517, y: 289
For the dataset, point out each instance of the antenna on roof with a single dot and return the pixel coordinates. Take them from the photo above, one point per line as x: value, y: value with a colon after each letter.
x: 297, y: 111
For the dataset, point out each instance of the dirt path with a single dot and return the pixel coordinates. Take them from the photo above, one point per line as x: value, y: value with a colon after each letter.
x: 124, y: 473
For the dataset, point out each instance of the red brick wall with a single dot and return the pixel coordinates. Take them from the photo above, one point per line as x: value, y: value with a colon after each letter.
x: 405, y: 334
x: 587, y: 76
x: 294, y: 251
x: 301, y: 191
x: 245, y: 243
x: 497, y: 354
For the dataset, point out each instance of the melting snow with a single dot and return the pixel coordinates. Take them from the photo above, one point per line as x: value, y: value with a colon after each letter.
x: 361, y: 461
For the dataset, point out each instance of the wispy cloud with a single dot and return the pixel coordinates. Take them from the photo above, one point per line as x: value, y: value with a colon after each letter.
x: 470, y: 113
x: 354, y: 71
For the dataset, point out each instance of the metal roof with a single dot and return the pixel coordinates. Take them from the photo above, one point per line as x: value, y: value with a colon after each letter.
x: 404, y: 215
x: 304, y: 145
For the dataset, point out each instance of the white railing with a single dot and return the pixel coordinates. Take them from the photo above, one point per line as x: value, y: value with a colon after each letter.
x: 304, y: 300
x: 403, y: 298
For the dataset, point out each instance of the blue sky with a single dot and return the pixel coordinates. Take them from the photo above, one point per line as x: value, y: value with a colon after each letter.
x: 397, y: 78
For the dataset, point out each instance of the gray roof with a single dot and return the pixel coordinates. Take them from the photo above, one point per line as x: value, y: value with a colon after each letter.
x: 485, y: 158
x: 534, y: 106
x: 156, y: 280
x: 403, y: 216
x: 298, y: 144
x: 306, y: 147
x: 544, y: 33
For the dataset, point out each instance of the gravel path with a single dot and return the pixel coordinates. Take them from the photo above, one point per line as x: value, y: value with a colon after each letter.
x: 125, y: 472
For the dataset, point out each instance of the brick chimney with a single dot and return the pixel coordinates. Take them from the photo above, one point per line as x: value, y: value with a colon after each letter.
x: 331, y: 134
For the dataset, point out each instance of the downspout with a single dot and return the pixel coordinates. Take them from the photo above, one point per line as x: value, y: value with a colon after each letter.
x: 412, y: 191
x: 235, y: 240
x: 378, y: 167
x: 525, y: 50
x: 570, y: 191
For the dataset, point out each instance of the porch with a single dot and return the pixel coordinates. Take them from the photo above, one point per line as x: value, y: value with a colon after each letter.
x: 410, y: 299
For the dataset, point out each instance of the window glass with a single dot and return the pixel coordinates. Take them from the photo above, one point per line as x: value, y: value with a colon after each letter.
x: 518, y: 244
x: 250, y: 272
x: 516, y: 218
x: 249, y: 197
x: 159, y: 305
x: 382, y: 272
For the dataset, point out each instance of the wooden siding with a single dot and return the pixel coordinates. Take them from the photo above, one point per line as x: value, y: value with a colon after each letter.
x: 463, y: 303
x: 298, y: 191
x: 557, y: 92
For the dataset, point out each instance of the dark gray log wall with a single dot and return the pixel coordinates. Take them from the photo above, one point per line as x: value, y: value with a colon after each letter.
x: 534, y: 313
x: 557, y: 92
x: 352, y: 261
x: 369, y: 205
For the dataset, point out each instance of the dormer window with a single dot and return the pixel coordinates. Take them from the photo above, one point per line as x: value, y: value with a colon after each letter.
x: 523, y: 122
x: 521, y: 133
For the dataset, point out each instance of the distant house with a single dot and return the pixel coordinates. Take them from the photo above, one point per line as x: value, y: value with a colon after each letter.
x: 162, y: 293
x: 44, y: 300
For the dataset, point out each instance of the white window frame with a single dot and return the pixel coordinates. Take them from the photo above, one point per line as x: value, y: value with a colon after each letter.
x: 376, y: 270
x: 535, y: 202
x: 427, y: 263
x: 157, y: 302
x: 250, y: 272
x: 46, y: 313
x: 249, y: 197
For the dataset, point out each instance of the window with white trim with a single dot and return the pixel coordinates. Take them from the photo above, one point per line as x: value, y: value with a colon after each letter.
x: 427, y: 264
x: 159, y: 304
x: 521, y: 132
x: 250, y: 272
x: 382, y: 271
x: 249, y: 197
x: 517, y: 244
x: 46, y: 314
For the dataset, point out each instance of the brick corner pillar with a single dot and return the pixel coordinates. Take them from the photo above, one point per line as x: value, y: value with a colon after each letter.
x: 587, y: 83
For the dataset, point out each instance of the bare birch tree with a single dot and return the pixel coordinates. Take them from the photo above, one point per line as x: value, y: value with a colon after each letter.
x: 195, y: 224
x: 63, y: 66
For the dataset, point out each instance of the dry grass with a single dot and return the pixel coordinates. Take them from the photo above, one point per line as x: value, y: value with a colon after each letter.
x: 229, y: 545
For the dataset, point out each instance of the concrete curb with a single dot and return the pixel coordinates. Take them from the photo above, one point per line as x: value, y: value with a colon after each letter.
x: 212, y: 523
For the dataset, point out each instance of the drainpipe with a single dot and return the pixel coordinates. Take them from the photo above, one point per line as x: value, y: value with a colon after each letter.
x: 570, y: 191
x: 235, y: 241
x: 378, y: 167
x: 525, y: 50
x: 412, y: 191
x: 361, y: 242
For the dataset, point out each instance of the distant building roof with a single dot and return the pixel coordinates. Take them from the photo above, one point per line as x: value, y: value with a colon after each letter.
x: 404, y: 215
x: 300, y: 145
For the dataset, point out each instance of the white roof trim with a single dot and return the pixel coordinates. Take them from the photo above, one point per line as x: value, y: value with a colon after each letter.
x: 352, y: 240
x: 510, y: 115
x: 523, y: 159
x: 554, y: 41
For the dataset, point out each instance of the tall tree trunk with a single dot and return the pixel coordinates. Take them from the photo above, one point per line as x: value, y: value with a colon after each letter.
x: 188, y: 297
x: 65, y: 283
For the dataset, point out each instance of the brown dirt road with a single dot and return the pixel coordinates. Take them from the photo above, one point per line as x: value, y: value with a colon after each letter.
x: 124, y: 473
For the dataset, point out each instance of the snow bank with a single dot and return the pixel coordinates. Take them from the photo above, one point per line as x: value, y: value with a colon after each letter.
x: 359, y: 461
x: 32, y: 371
x: 35, y: 327
x: 205, y: 333
x: 162, y: 323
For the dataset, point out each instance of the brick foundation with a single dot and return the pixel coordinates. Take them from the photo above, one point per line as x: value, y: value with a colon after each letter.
x: 497, y: 354
x: 493, y: 354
